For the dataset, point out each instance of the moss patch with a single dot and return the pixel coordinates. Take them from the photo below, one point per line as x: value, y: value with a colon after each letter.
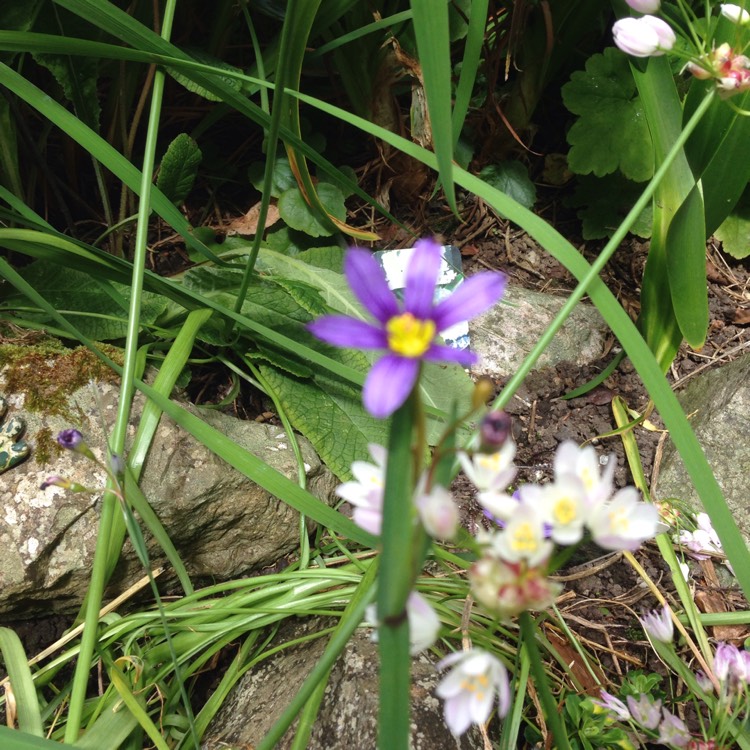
x: 46, y: 374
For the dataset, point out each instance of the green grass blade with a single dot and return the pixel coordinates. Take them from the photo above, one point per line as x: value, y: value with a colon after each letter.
x: 11, y: 739
x: 432, y: 32
x: 470, y: 65
x: 134, y: 706
x: 24, y: 692
x: 110, y: 730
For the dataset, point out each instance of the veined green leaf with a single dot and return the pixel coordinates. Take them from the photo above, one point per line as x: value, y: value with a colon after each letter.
x: 179, y: 168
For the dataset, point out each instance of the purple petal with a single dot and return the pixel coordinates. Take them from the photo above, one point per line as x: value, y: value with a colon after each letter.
x: 441, y: 353
x: 368, y: 282
x: 421, y: 279
x: 388, y: 384
x: 475, y: 295
x: 340, y: 330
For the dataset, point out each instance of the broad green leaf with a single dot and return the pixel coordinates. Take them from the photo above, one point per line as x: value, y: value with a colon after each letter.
x: 282, y: 180
x: 330, y: 258
x: 298, y: 215
x: 511, y: 178
x: 603, y: 203
x: 611, y: 132
x: 179, y: 168
x: 18, y: 15
x: 333, y: 287
x: 99, y: 307
x: 686, y: 266
x: 734, y: 231
x: 330, y: 414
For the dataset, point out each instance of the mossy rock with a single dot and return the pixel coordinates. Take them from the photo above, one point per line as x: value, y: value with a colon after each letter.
x: 42, y: 376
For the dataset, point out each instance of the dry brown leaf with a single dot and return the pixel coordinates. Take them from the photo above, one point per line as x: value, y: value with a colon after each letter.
x: 714, y: 602
x: 248, y: 224
x: 741, y: 316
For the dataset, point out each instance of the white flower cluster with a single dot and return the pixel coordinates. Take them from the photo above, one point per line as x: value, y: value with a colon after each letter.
x: 511, y: 574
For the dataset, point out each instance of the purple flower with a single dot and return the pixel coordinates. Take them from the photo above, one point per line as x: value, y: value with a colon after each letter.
x: 69, y: 439
x: 408, y: 331
x: 616, y: 708
x: 645, y: 711
x: 672, y: 730
x: 658, y: 624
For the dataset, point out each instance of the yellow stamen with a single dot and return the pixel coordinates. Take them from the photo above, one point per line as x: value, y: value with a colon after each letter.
x: 409, y: 336
x: 524, y: 538
x: 564, y: 510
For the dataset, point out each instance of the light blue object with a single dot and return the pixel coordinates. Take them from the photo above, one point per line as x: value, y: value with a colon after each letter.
x: 395, y: 262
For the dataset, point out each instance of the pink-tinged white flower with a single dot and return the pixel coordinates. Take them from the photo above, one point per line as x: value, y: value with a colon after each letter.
x: 407, y: 332
x: 658, y: 624
x: 561, y: 504
x: 647, y: 36
x: 624, y: 522
x: 704, y: 541
x: 424, y: 624
x: 523, y: 538
x: 617, y: 709
x: 732, y: 666
x: 672, y: 730
x: 469, y: 689
x: 645, y: 711
x: 735, y: 13
x: 438, y: 513
x: 584, y: 463
x: 490, y: 471
x: 507, y: 589
x: 644, y: 6
x: 365, y: 491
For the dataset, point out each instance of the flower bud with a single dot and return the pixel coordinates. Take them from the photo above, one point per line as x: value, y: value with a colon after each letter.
x: 735, y: 13
x: 438, y: 513
x: 66, y: 484
x: 494, y: 431
x: 647, y: 36
x: 644, y: 6
x: 69, y: 439
x: 484, y: 389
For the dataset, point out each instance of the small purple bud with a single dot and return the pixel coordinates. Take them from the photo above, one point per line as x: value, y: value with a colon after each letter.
x: 117, y: 465
x: 70, y: 439
x: 494, y: 431
x: 53, y: 481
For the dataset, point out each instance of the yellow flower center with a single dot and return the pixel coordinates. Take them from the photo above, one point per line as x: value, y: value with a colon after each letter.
x: 619, y: 520
x: 478, y: 684
x: 525, y: 538
x: 564, y: 510
x: 409, y: 336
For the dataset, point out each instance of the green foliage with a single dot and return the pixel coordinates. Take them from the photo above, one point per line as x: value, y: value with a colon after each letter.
x: 611, y: 132
x: 282, y: 180
x: 604, y: 202
x: 511, y: 178
x: 219, y: 65
x: 98, y: 307
x: 734, y: 231
x: 79, y: 80
x: 179, y: 168
x: 298, y: 215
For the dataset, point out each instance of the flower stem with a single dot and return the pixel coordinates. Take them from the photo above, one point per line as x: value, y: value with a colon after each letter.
x: 395, y: 582
x: 549, y: 705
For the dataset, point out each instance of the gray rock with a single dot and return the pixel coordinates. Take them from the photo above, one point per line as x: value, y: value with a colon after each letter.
x: 223, y: 524
x: 348, y: 714
x: 719, y: 402
x: 504, y: 335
